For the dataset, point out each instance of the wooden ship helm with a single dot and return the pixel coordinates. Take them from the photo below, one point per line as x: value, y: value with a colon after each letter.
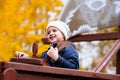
x: 35, y: 59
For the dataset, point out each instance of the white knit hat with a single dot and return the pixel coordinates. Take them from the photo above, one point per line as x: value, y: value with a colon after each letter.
x: 61, y: 26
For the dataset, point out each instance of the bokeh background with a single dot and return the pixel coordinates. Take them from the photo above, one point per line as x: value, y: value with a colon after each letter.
x: 24, y: 21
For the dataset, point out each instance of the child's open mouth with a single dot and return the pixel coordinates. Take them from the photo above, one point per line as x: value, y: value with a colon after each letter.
x: 52, y: 37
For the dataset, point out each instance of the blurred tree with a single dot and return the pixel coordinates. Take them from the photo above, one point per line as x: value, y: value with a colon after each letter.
x: 24, y: 21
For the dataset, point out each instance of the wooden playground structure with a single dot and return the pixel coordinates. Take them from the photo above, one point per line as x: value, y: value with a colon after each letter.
x: 32, y: 69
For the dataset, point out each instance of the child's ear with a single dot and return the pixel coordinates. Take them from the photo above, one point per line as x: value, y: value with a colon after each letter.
x: 63, y: 37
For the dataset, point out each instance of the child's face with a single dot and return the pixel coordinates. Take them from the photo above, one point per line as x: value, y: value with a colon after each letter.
x: 54, y: 34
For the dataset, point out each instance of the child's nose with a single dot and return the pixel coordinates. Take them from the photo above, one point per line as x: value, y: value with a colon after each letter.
x: 51, y: 32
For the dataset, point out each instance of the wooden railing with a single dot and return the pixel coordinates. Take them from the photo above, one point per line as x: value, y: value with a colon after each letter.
x: 36, y: 72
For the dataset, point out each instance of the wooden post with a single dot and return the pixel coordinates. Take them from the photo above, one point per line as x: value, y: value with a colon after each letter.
x: 10, y: 74
x: 0, y: 71
x: 118, y: 63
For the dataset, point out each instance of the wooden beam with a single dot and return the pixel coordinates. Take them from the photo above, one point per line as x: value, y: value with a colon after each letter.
x: 91, y: 37
x: 115, y: 48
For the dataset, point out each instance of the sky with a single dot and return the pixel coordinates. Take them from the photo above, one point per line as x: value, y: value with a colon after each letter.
x: 64, y: 1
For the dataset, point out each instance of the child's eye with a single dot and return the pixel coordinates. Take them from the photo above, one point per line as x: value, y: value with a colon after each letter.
x: 48, y: 32
x: 51, y: 31
x: 54, y: 30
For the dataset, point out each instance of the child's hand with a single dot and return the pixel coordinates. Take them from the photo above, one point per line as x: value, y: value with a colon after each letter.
x: 21, y: 55
x: 53, y: 53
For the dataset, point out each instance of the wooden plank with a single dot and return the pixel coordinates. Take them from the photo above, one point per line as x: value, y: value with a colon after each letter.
x: 35, y: 61
x: 46, y: 72
x: 115, y: 48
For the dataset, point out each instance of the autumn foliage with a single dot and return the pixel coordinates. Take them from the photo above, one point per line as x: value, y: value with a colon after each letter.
x: 24, y: 21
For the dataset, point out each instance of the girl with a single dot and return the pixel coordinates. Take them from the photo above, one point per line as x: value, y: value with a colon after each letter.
x: 65, y: 54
